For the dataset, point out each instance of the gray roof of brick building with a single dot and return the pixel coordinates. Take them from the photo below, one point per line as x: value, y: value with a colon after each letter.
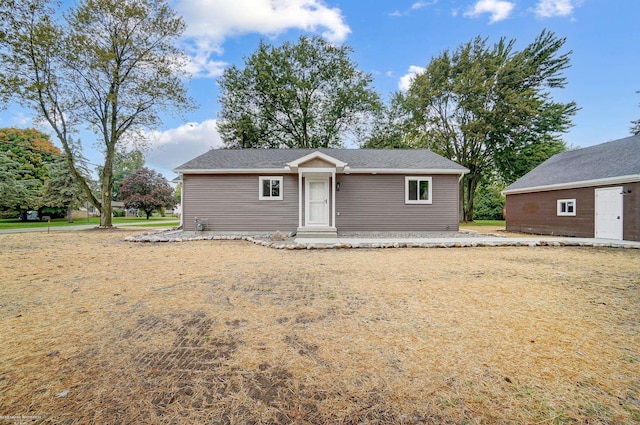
x: 593, y: 164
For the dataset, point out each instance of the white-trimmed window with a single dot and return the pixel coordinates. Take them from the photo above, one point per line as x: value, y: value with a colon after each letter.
x: 417, y: 190
x: 270, y: 188
x: 566, y: 207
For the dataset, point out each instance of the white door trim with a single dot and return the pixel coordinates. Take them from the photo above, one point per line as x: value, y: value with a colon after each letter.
x: 609, y: 209
x: 299, y: 199
x: 307, y: 192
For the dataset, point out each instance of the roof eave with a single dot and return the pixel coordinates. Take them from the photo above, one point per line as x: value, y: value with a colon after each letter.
x: 234, y: 171
x: 347, y: 170
x: 574, y: 185
x: 406, y: 171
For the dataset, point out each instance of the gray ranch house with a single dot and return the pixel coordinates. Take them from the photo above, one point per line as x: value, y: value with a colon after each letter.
x: 589, y: 192
x: 318, y: 192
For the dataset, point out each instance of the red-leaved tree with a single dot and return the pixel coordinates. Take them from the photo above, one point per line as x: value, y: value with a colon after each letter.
x: 147, y: 190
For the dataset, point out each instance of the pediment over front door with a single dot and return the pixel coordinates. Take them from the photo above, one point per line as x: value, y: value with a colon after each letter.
x: 317, y: 159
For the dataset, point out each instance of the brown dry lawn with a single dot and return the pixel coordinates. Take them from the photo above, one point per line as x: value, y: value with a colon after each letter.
x: 233, y: 333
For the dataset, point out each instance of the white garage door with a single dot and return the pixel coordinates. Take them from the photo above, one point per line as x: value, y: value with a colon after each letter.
x: 609, y: 209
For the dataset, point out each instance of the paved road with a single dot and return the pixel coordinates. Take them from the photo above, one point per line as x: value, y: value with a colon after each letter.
x: 81, y: 227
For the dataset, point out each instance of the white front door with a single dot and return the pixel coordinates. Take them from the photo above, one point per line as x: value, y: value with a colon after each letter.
x: 609, y: 207
x: 317, y: 202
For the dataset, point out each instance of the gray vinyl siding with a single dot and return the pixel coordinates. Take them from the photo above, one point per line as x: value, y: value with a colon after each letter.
x: 376, y: 203
x: 230, y: 203
x: 365, y: 202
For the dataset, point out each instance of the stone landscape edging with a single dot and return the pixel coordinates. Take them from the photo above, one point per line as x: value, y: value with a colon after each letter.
x: 159, y: 237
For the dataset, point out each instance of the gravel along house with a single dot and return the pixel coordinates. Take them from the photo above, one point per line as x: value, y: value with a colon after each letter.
x: 589, y: 192
x: 318, y: 192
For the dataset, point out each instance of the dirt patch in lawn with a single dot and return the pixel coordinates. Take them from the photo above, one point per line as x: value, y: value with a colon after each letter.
x: 495, y: 230
x: 97, y: 330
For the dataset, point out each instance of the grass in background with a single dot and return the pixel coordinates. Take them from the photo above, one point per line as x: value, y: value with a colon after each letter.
x: 159, y: 223
x: 484, y: 223
x: 484, y: 226
x: 14, y: 223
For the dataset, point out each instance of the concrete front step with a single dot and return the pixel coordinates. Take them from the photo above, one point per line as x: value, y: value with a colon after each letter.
x: 308, y: 232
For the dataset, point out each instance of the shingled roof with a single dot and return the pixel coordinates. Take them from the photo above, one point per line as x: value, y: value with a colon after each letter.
x: 611, y: 161
x: 277, y: 159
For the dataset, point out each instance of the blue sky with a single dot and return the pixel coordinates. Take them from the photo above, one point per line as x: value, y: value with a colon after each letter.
x: 393, y: 38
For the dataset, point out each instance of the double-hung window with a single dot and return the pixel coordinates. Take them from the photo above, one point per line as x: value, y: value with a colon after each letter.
x: 566, y: 207
x: 270, y: 188
x: 417, y: 190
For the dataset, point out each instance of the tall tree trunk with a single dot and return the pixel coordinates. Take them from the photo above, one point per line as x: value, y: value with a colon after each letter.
x: 107, y: 186
x: 69, y: 214
x: 472, y: 185
x: 105, y: 214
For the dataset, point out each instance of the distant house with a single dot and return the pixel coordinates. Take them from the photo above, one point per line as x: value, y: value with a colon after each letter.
x: 87, y: 210
x: 318, y: 192
x: 90, y: 211
x: 590, y: 192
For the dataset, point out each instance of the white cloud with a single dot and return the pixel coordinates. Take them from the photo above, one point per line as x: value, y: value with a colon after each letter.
x: 407, y: 79
x: 499, y: 9
x: 211, y: 22
x: 201, y: 65
x: 18, y: 117
x: 415, y: 6
x: 552, y: 8
x: 171, y: 148
x: 421, y: 4
x: 199, y: 54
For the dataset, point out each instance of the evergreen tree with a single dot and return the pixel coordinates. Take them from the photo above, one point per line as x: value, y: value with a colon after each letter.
x: 62, y: 189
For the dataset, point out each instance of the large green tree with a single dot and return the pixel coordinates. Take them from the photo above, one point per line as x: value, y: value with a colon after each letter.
x: 125, y: 163
x: 109, y: 65
x: 32, y: 150
x: 489, y: 107
x: 24, y: 158
x: 9, y: 195
x: 489, y: 202
x: 17, y: 195
x: 390, y: 127
x: 307, y: 94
